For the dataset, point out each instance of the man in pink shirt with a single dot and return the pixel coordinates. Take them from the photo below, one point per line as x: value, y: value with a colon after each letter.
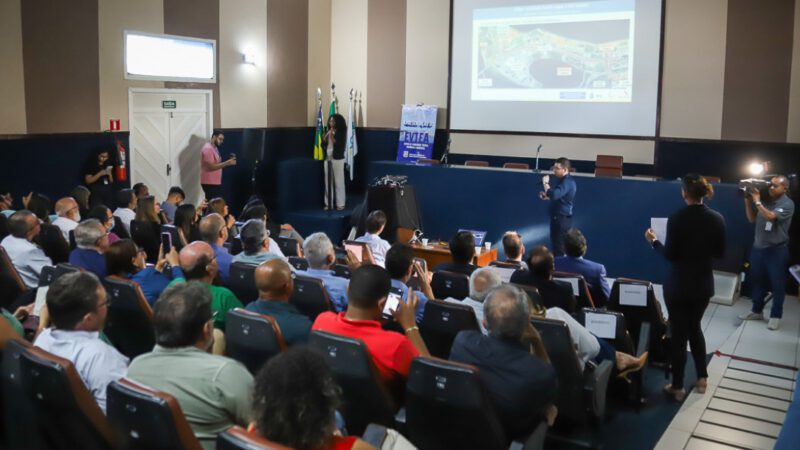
x: 211, y: 165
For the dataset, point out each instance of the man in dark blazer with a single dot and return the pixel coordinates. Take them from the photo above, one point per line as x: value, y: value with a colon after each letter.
x: 574, y: 262
x: 554, y: 293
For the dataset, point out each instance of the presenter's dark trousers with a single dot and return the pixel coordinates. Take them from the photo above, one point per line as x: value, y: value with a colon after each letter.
x: 768, y: 273
x: 685, y: 314
x: 559, y: 225
x: 212, y: 190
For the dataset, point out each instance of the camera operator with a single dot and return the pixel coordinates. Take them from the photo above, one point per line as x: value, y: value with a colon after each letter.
x: 770, y: 254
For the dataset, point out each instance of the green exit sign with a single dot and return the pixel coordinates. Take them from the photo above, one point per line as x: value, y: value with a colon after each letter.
x: 169, y: 104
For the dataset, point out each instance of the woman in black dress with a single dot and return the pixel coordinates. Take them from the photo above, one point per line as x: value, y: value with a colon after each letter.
x: 99, y: 178
x: 695, y: 236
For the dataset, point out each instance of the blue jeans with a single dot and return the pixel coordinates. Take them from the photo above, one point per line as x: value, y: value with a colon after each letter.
x: 559, y: 225
x: 768, y: 273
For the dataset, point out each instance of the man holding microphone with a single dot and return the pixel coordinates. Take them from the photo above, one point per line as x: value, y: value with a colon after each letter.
x: 211, y: 166
x: 561, y: 196
x: 770, y: 254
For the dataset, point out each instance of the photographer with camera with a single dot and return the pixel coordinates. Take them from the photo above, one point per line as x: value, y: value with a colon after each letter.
x: 770, y: 254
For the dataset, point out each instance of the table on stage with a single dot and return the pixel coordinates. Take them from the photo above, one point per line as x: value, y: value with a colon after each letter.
x: 435, y: 254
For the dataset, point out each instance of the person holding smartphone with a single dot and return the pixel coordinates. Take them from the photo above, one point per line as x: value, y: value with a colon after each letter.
x: 402, y: 268
x: 99, y: 178
x: 211, y: 165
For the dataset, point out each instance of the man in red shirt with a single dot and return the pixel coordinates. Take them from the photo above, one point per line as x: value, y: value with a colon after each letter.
x: 211, y: 165
x: 391, y: 352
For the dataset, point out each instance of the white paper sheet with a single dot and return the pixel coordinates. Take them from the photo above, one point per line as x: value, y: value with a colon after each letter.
x: 574, y: 282
x: 602, y: 325
x: 41, y: 296
x: 633, y: 294
x: 659, y: 225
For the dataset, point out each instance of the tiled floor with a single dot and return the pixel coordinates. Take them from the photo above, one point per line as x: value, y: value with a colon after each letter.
x: 746, y: 400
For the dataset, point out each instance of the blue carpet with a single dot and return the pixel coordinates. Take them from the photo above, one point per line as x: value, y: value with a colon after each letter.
x: 625, y: 428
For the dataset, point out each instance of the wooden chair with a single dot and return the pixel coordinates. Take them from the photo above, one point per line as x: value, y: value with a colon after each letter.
x: 476, y: 163
x: 432, y: 162
x: 513, y: 165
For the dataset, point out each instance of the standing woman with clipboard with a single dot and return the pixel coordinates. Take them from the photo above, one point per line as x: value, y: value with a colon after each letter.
x: 695, y: 236
x: 335, y: 141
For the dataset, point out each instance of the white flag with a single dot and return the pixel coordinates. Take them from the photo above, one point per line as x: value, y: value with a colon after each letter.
x: 352, y: 146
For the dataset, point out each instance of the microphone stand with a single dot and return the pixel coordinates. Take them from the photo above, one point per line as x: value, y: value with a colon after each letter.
x: 538, y: 150
x: 443, y: 160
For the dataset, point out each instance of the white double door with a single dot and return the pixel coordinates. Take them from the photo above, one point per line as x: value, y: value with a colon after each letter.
x: 168, y: 128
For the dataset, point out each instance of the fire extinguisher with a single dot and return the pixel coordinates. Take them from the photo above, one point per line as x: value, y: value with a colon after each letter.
x: 122, y: 172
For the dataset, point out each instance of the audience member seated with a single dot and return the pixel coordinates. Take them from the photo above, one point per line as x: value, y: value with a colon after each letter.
x: 148, y: 210
x: 219, y: 206
x: 257, y: 210
x: 175, y: 197
x: 212, y: 391
x: 126, y: 207
x: 589, y: 347
x: 68, y: 215
x: 38, y: 204
x: 214, y: 232
x: 199, y: 264
x: 554, y: 293
x: 256, y: 243
x: 141, y: 190
x: 521, y: 382
x: 92, y: 241
x: 321, y: 258
x: 275, y: 282
x: 295, y: 398
x: 401, y: 267
x: 50, y: 237
x: 81, y: 195
x: 391, y: 352
x: 574, y: 262
x: 514, y: 250
x: 13, y: 320
x: 125, y: 259
x: 104, y: 216
x: 480, y: 283
x: 187, y: 218
x: 376, y: 222
x: 462, y: 250
x: 77, y: 308
x: 26, y: 257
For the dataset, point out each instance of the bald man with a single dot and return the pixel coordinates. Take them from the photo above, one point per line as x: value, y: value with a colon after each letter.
x: 214, y: 231
x: 69, y: 215
x: 199, y: 263
x: 275, y: 283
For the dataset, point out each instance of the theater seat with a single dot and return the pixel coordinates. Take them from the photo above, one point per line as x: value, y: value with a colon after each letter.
x: 298, y: 263
x: 533, y: 293
x: 67, y: 414
x: 148, y: 419
x: 252, y: 338
x: 608, y: 166
x: 584, y: 295
x: 129, y: 324
x: 237, y: 438
x: 289, y: 246
x: 447, y: 407
x: 476, y: 163
x: 310, y: 296
x: 428, y: 161
x: 242, y: 282
x: 512, y: 165
x: 450, y: 284
x: 441, y: 322
x: 11, y: 284
x: 581, y: 395
x: 148, y: 236
x: 63, y: 269
x: 342, y: 271
x: 177, y: 240
x: 637, y: 316
x: 366, y: 398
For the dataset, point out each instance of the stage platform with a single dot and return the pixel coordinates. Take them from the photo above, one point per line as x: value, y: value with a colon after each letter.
x: 336, y: 224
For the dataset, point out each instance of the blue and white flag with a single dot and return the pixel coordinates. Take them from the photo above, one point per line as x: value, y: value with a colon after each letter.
x: 351, y: 150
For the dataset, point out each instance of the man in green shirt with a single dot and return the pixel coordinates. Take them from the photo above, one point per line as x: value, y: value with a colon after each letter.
x: 213, y: 391
x: 200, y: 264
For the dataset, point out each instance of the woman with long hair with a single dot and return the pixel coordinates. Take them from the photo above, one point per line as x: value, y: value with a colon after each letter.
x: 186, y: 219
x: 695, y: 236
x: 146, y: 227
x: 126, y: 260
x: 335, y: 141
x: 99, y: 178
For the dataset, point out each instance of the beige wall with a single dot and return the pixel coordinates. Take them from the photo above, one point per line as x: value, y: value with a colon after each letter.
x: 242, y: 87
x: 694, y: 68
x: 633, y: 151
x: 793, y: 131
x: 348, y: 53
x: 427, y: 49
x: 319, y: 54
x: 114, y: 17
x: 12, y: 80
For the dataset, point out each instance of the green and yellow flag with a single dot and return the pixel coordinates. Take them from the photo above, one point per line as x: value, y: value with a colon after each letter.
x: 318, y: 153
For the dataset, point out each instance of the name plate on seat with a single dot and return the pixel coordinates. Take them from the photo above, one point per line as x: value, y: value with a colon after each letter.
x: 633, y: 294
x: 602, y: 325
